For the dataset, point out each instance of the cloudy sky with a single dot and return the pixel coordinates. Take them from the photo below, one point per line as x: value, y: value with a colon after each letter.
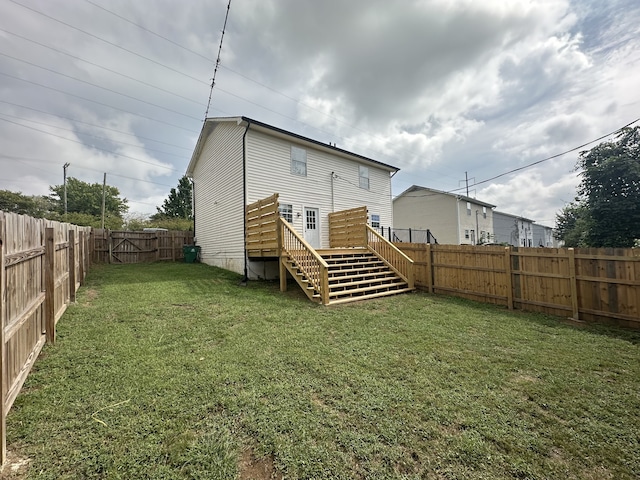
x: 435, y: 87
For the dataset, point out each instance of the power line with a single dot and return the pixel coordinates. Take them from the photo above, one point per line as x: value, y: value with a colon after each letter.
x: 150, y: 31
x: 96, y: 102
x: 215, y: 70
x: 549, y: 158
x: 96, y: 126
x: 93, y: 147
x: 95, y: 136
x: 98, y: 86
x: 108, y: 42
x: 102, y: 67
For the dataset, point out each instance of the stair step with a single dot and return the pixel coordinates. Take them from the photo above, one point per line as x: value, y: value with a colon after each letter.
x: 372, y: 276
x: 338, y: 301
x: 351, y: 291
x: 357, y: 271
x: 376, y: 282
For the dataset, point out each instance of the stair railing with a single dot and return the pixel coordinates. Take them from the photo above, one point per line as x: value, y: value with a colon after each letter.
x: 306, y: 259
x: 391, y: 255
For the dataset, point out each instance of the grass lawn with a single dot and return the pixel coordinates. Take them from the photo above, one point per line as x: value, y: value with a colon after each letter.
x: 174, y: 371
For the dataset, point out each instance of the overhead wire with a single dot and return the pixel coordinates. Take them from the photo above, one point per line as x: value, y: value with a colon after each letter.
x: 95, y: 136
x: 95, y: 101
x: 115, y: 72
x: 91, y: 147
x: 99, y: 86
x: 215, y: 70
x: 110, y: 43
x: 96, y: 126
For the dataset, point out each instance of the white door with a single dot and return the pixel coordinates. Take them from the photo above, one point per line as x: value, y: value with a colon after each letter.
x: 312, y: 226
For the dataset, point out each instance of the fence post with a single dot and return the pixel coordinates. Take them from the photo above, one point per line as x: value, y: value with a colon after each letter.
x: 507, y: 270
x: 49, y: 285
x: 72, y: 266
x: 3, y: 361
x: 110, y: 242
x: 429, y: 268
x: 410, y: 239
x: 173, y: 246
x: 574, y: 286
x: 82, y: 252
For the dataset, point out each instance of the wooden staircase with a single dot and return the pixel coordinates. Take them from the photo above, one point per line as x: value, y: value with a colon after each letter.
x: 353, y: 274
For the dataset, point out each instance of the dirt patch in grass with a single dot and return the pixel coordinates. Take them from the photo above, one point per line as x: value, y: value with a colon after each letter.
x: 15, y: 467
x: 254, y: 468
x: 90, y: 294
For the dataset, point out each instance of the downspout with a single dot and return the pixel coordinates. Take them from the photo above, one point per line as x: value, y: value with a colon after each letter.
x: 193, y: 207
x: 244, y: 200
x: 458, y: 219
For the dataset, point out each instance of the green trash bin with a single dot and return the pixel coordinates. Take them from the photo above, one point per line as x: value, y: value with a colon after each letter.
x: 191, y: 253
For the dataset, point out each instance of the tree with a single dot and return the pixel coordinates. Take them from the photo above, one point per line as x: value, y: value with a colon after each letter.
x: 32, y: 205
x: 85, y: 200
x: 572, y: 225
x: 607, y: 210
x: 178, y: 205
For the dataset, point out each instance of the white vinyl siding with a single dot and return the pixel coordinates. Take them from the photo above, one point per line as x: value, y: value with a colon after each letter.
x: 269, y: 172
x: 219, y: 209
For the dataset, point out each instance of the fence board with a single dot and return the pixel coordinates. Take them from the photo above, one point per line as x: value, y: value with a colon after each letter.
x: 261, y: 219
x: 345, y: 228
x: 126, y: 247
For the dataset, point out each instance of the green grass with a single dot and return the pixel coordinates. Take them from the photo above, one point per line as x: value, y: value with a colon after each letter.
x: 174, y: 371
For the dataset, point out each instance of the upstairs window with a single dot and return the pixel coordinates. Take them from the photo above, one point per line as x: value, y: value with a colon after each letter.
x: 286, y: 211
x: 363, y: 174
x: 484, y: 212
x: 468, y: 208
x: 298, y: 161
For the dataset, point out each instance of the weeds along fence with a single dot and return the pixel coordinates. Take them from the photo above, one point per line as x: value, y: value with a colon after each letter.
x: 598, y: 285
x: 42, y: 265
x: 113, y: 246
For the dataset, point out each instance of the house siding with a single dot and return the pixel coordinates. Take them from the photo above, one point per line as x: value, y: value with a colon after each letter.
x: 444, y: 214
x: 218, y: 196
x: 269, y: 171
x: 512, y: 229
x: 424, y: 210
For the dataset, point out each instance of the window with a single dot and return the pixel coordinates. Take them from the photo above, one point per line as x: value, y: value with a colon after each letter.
x: 484, y: 212
x: 286, y: 211
x: 468, y: 208
x: 466, y: 234
x: 311, y: 219
x: 299, y: 161
x: 363, y: 173
x: 375, y: 221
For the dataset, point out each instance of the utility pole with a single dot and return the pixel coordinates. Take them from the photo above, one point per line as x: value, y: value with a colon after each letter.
x: 466, y: 182
x: 64, y: 169
x: 104, y: 193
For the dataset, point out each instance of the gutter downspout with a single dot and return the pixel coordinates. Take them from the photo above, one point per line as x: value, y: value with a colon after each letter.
x: 244, y: 200
x: 193, y: 207
x: 458, y: 219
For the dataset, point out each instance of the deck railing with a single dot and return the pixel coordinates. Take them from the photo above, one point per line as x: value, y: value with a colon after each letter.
x: 391, y: 255
x: 308, y: 261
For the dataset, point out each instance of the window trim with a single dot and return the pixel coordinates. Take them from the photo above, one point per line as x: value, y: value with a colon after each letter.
x: 375, y: 220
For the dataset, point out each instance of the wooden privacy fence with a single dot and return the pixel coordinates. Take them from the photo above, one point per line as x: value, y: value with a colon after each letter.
x: 346, y: 228
x: 42, y: 264
x: 262, y: 235
x: 600, y: 285
x: 114, y: 246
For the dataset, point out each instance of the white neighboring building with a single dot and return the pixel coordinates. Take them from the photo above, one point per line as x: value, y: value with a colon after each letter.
x: 515, y: 230
x: 238, y: 160
x: 452, y: 219
x: 543, y: 236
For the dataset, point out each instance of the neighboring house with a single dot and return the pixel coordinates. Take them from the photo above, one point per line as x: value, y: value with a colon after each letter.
x: 515, y: 230
x: 238, y: 161
x: 543, y: 236
x: 451, y: 218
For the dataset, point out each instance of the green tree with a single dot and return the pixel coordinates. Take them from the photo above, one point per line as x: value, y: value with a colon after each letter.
x: 572, y: 225
x: 178, y: 204
x: 607, y: 210
x: 86, y: 199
